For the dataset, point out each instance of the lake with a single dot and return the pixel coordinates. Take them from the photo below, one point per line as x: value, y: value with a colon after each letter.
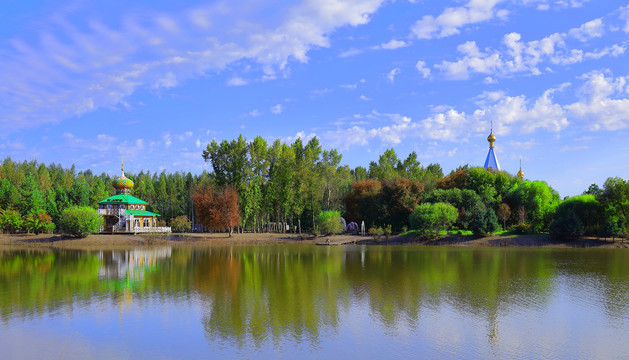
x: 314, y: 302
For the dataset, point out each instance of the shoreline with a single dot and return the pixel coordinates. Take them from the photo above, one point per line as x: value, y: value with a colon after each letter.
x: 125, y: 241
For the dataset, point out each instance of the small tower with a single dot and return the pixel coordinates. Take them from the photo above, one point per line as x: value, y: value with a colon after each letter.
x: 491, y: 163
x: 520, y: 173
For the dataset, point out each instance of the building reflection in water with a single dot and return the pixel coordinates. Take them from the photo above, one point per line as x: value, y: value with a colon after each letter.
x: 130, y: 264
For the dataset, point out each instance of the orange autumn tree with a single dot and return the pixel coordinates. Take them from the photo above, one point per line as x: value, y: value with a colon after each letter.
x: 217, y: 209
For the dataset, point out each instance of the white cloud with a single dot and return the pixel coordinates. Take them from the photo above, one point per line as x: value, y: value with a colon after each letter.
x: 236, y: 81
x: 558, y: 4
x: 589, y: 30
x: 624, y: 15
x: 300, y: 135
x: 351, y: 52
x: 603, y: 104
x: 421, y: 67
x: 73, y: 69
x: 364, y: 98
x: 527, y: 57
x: 255, y: 113
x: 393, y: 44
x: 452, y: 19
x: 277, y: 109
x: 392, y: 74
x: 510, y: 114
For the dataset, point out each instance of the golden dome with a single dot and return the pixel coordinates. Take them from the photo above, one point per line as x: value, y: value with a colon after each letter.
x: 123, y: 185
x: 520, y: 174
x: 491, y: 138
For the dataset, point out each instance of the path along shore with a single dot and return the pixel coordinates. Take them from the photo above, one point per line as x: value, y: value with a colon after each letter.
x: 123, y: 241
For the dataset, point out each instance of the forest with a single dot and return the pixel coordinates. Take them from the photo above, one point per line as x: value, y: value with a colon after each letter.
x: 294, y: 183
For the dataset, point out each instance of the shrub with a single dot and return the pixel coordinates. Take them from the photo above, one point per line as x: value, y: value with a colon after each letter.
x: 587, y: 210
x: 387, y: 231
x: 376, y: 233
x: 37, y: 223
x: 329, y: 222
x: 568, y: 226
x: 180, y: 224
x: 484, y: 223
x: 10, y: 220
x: 80, y: 221
x: 521, y: 228
x: 433, y: 217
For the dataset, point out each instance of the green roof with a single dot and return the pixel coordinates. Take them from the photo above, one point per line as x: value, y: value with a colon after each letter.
x: 123, y: 199
x: 141, y: 213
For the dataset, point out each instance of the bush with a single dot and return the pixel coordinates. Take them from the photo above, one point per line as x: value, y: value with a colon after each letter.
x: 484, y: 223
x: 567, y: 227
x: 329, y: 222
x: 180, y: 224
x: 37, y: 223
x: 376, y: 233
x: 521, y: 228
x: 80, y: 221
x: 433, y: 217
x: 10, y: 220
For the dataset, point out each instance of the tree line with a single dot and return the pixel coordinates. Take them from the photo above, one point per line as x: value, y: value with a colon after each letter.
x: 292, y: 184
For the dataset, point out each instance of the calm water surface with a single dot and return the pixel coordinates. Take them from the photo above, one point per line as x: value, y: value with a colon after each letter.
x: 314, y: 302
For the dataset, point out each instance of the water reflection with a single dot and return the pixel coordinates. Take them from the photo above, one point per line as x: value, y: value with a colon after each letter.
x: 257, y: 296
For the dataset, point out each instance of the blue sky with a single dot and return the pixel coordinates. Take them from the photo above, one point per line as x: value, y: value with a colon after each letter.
x: 87, y: 82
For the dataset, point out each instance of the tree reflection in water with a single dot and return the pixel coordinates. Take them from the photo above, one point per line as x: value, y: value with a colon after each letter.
x: 263, y: 294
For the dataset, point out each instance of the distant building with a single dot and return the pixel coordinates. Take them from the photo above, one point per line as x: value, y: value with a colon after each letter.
x: 491, y: 163
x: 125, y: 213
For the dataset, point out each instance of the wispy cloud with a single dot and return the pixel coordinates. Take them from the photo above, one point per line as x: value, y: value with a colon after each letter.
x: 90, y: 64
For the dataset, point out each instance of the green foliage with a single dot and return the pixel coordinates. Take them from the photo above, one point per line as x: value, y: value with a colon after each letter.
x: 467, y: 202
x: 433, y: 217
x: 38, y: 223
x: 10, y: 220
x: 538, y: 199
x: 329, y: 222
x: 484, y: 223
x: 376, y: 233
x: 587, y: 210
x: 80, y: 221
x: 568, y: 226
x: 180, y: 224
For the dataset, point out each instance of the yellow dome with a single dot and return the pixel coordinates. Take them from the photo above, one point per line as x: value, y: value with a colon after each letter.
x: 122, y: 183
x: 521, y: 174
x: 491, y: 137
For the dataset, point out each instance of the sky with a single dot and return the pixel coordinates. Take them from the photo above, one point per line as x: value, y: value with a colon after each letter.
x: 87, y: 83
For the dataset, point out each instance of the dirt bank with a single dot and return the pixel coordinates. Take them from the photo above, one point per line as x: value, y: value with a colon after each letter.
x: 119, y: 241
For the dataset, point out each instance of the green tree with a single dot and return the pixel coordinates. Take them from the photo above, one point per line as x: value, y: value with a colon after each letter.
x: 433, y: 217
x: 539, y: 200
x: 31, y: 198
x: 180, y: 224
x: 80, y: 221
x: 386, y: 167
x: 568, y: 226
x: 484, y: 223
x: 37, y: 223
x: 329, y: 222
x: 10, y: 220
x: 585, y: 208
